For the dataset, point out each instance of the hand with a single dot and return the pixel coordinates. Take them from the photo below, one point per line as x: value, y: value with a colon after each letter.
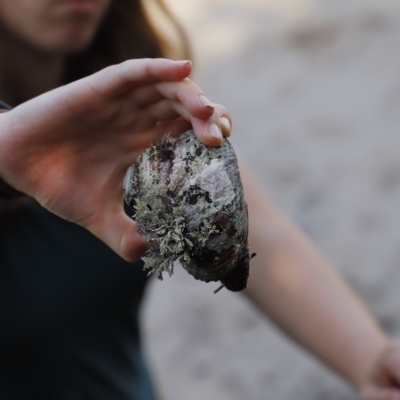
x: 383, y: 380
x: 70, y: 148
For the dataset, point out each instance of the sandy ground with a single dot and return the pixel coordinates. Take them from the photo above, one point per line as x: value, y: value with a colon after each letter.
x: 314, y: 90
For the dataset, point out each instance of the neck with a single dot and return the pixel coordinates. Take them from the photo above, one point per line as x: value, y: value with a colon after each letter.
x: 26, y: 72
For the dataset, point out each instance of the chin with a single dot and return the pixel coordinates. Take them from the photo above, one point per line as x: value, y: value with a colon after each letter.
x: 73, y: 48
x: 73, y: 43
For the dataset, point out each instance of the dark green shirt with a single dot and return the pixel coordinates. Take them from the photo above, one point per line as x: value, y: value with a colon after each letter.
x: 68, y: 312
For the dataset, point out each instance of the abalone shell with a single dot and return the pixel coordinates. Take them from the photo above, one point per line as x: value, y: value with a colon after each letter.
x: 189, y: 204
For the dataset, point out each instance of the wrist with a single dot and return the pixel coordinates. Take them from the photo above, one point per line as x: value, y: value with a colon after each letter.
x: 8, y: 191
x: 371, y: 367
x: 371, y: 361
x: 5, y: 189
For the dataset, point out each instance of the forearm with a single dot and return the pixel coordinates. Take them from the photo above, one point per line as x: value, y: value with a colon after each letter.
x: 298, y: 289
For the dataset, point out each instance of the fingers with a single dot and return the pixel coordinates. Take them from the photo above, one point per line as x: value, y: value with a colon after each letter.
x: 189, y: 94
x: 383, y: 381
x: 391, y: 360
x: 212, y: 130
x: 184, y: 97
x: 174, y: 128
x: 375, y: 393
x: 208, y: 131
x: 113, y: 81
x: 132, y: 245
x: 119, y: 232
x: 224, y: 119
x: 184, y: 92
x: 170, y: 116
x: 180, y: 125
x: 160, y: 89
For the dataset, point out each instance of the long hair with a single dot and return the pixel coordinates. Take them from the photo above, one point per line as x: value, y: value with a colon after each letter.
x: 127, y: 32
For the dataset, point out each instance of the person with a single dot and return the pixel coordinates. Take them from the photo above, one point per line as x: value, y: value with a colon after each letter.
x: 90, y: 92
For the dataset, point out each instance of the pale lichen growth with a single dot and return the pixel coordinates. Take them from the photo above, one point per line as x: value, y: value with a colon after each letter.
x: 169, y: 240
x: 189, y: 204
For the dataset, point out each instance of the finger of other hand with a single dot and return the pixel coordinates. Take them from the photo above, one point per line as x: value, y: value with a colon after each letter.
x: 375, y: 393
x: 391, y: 360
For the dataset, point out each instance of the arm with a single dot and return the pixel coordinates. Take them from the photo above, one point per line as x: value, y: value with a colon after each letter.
x: 297, y: 288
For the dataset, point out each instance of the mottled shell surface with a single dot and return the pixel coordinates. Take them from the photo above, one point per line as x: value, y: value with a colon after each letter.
x: 189, y: 204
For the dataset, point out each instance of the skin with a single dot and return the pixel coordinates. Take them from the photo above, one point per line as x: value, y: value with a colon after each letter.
x: 100, y: 126
x: 295, y: 286
x: 53, y: 26
x: 60, y: 138
x: 38, y: 35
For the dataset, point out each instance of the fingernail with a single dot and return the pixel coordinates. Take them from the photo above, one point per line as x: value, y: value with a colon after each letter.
x: 226, y: 124
x: 214, y: 130
x: 184, y: 62
x: 205, y: 101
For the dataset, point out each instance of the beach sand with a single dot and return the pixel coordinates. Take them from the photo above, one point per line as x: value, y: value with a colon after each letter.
x: 314, y: 92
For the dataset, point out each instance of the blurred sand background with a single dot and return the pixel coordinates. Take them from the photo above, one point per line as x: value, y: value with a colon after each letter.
x: 314, y: 91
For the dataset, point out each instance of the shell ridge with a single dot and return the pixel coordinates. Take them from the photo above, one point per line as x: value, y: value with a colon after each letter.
x: 190, y: 206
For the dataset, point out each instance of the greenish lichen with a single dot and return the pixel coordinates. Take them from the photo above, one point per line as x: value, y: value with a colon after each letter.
x: 167, y: 235
x: 190, y: 206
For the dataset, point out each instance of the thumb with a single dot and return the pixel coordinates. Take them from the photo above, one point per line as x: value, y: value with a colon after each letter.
x: 392, y: 361
x: 119, y: 232
x: 375, y: 393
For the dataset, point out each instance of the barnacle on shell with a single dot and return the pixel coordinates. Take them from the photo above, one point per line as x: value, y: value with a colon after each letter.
x: 189, y: 205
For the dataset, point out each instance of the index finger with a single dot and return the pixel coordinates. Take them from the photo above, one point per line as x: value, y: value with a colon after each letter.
x: 115, y: 80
